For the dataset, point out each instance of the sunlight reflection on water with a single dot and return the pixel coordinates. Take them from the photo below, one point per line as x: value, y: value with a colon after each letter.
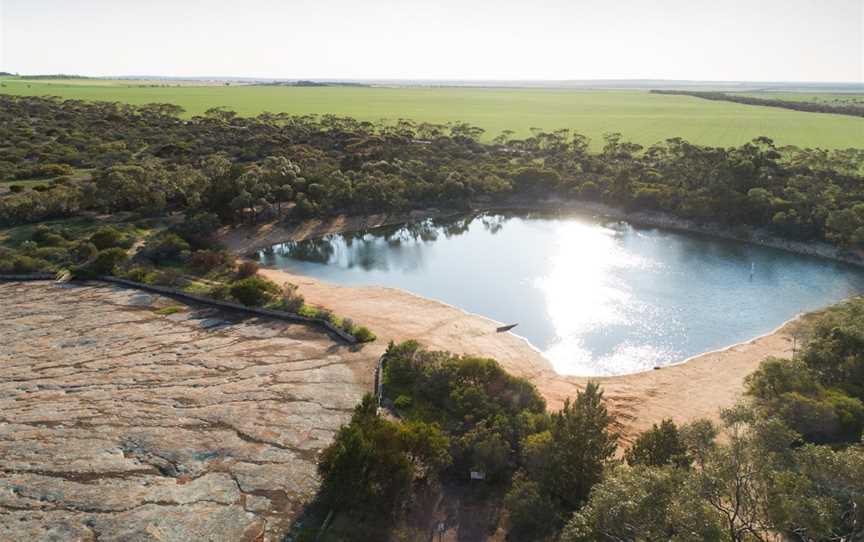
x: 583, y: 295
x: 596, y: 297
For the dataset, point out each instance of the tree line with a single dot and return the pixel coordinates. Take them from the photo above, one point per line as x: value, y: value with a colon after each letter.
x: 149, y: 161
x: 851, y: 109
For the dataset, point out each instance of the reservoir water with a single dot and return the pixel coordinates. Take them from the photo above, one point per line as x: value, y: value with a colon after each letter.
x: 597, y: 297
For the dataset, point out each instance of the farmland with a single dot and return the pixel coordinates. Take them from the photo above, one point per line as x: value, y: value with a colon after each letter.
x: 641, y: 117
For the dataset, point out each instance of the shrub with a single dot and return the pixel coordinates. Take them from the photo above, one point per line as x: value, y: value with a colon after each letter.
x: 660, y: 445
x: 646, y: 503
x: 16, y: 188
x: 363, y: 335
x: 83, y: 251
x: 220, y: 292
x: 28, y: 248
x: 141, y: 274
x: 168, y: 311
x: 326, y: 314
x: 169, y: 277
x: 52, y: 170
x: 367, y: 468
x: 292, y: 300
x: 247, y: 269
x: 168, y: 247
x: 48, y: 237
x: 790, y: 389
x: 52, y: 254
x: 22, y: 264
x: 203, y: 261
x: 198, y: 229
x: 254, y: 291
x: 347, y: 325
x: 109, y: 237
x: 107, y: 260
x: 827, y: 417
x: 402, y: 402
x: 532, y: 514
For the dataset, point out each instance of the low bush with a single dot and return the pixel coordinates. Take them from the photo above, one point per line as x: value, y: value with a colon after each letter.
x: 106, y: 261
x: 255, y: 291
x: 56, y: 255
x: 659, y: 446
x: 21, y: 264
x: 52, y: 170
x: 247, y: 269
x: 292, y: 300
x: 531, y: 512
x: 402, y: 402
x: 83, y: 251
x: 326, y: 315
x: 140, y: 273
x: 363, y: 334
x: 198, y: 230
x: 48, y: 237
x: 792, y: 391
x: 203, y: 261
x: 110, y: 237
x: 165, y: 248
x: 220, y: 292
x: 168, y: 311
x: 347, y: 325
x: 169, y: 277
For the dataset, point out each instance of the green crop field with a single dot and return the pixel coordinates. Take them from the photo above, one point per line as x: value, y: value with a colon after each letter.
x: 642, y: 117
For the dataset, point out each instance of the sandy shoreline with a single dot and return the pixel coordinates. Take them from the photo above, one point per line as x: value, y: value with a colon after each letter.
x: 699, y: 387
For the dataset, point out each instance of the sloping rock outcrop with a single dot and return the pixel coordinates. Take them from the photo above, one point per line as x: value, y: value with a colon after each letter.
x: 129, y: 416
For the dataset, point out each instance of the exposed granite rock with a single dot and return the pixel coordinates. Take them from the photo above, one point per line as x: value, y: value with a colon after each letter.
x: 119, y: 423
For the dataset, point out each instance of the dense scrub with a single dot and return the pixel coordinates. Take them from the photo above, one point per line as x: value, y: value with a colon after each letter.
x: 149, y: 161
x: 464, y: 432
x: 852, y: 109
x: 772, y: 477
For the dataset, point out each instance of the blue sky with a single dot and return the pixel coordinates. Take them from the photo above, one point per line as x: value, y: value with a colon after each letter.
x: 760, y: 40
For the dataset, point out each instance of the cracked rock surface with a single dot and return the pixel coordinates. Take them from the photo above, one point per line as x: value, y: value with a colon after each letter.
x: 121, y: 421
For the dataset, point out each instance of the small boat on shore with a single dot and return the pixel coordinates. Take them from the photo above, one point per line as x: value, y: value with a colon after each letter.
x: 502, y: 329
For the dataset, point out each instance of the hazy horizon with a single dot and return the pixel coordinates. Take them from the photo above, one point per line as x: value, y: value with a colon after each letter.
x: 731, y: 41
x: 441, y: 80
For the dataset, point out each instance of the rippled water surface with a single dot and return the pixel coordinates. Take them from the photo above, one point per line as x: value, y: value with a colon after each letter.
x: 596, y: 297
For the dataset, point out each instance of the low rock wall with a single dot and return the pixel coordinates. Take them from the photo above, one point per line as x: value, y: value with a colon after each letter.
x: 185, y: 296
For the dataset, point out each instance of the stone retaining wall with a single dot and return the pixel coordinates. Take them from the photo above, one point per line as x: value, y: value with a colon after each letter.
x: 185, y: 296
